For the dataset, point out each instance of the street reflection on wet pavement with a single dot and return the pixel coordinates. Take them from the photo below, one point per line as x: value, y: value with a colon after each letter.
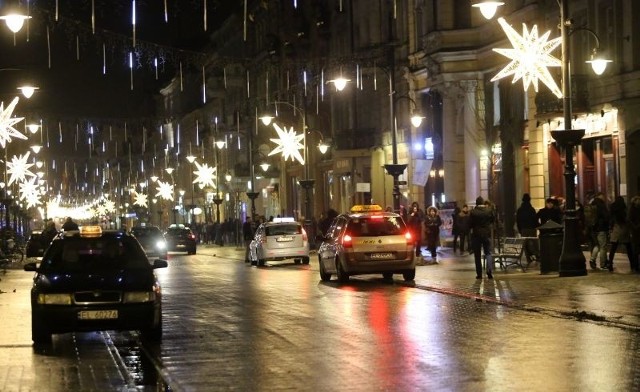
x: 230, y: 326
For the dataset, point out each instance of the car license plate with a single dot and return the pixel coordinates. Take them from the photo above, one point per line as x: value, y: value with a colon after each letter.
x: 284, y: 239
x: 97, y: 314
x: 378, y: 256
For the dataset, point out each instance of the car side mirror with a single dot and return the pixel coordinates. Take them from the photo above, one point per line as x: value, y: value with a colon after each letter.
x: 32, y: 267
x: 159, y: 263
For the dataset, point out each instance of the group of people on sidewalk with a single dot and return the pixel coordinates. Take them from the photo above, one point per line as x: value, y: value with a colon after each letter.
x: 470, y: 227
x: 602, y: 226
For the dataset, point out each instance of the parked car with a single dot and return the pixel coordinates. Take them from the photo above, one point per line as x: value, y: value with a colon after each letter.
x: 180, y: 238
x: 152, y: 241
x: 93, y: 280
x: 367, y: 241
x: 279, y: 240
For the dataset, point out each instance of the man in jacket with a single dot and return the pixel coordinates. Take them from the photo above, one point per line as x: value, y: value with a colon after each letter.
x: 527, y: 222
x: 481, y: 223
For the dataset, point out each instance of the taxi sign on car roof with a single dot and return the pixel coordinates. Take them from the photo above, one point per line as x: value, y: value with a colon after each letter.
x: 286, y: 219
x: 90, y: 231
x: 366, y: 208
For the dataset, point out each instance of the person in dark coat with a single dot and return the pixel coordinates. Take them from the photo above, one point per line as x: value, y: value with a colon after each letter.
x: 247, y: 234
x: 550, y: 212
x: 600, y: 231
x: 482, y: 220
x: 464, y: 229
x: 527, y: 222
x: 620, y: 232
x: 432, y: 223
x: 455, y: 231
x: 70, y: 225
x: 416, y: 217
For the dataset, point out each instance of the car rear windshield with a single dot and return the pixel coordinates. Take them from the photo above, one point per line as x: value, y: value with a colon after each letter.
x: 86, y: 254
x: 283, y: 229
x: 146, y: 232
x: 375, y: 226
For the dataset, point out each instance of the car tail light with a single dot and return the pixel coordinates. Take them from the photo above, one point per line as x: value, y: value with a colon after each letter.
x: 304, y: 235
x: 347, y: 241
x: 409, y: 238
x: 192, y: 236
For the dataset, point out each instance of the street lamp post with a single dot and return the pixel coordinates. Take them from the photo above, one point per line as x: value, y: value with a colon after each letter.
x: 572, y: 260
x: 192, y: 207
x: 251, y: 193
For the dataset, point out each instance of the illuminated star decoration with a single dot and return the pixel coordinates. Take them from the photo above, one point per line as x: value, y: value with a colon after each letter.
x: 140, y: 199
x: 288, y: 144
x: 18, y: 168
x: 165, y: 190
x: 530, y: 57
x: 109, y: 206
x: 30, y: 192
x: 7, y: 131
x: 205, y: 175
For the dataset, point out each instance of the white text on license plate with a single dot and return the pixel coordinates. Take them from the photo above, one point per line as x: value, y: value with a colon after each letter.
x: 97, y: 314
x: 382, y: 255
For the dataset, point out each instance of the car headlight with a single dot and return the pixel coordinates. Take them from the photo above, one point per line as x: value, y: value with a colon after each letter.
x: 139, y: 296
x: 54, y: 299
x: 161, y: 244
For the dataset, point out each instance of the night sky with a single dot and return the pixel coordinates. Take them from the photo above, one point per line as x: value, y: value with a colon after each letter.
x: 72, y: 88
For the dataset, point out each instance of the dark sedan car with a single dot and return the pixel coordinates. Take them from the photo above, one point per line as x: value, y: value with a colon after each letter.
x: 92, y: 280
x: 152, y: 241
x: 180, y: 238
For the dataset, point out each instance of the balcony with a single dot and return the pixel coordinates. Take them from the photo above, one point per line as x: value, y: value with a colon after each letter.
x: 549, y: 104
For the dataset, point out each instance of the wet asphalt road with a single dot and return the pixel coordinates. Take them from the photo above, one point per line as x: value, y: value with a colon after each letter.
x: 230, y: 326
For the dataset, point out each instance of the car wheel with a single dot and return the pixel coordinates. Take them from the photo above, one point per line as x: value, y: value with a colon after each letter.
x: 324, y: 275
x: 39, y: 333
x: 341, y: 274
x: 297, y: 261
x: 409, y: 275
x: 305, y: 260
x: 261, y: 262
x: 387, y: 275
x: 191, y: 251
x: 254, y: 262
x: 153, y: 334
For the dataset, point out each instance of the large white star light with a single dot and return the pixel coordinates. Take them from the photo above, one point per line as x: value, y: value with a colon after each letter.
x: 7, y: 131
x: 288, y: 143
x: 205, y: 175
x: 140, y: 199
x: 530, y: 57
x: 165, y: 191
x: 30, y: 192
x: 19, y: 167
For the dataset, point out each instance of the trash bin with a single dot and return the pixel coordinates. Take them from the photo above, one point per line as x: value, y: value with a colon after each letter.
x: 551, y: 239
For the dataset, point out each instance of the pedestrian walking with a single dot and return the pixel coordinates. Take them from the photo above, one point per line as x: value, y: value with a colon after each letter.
x: 464, y: 230
x: 600, y: 230
x: 455, y: 231
x: 620, y: 232
x: 416, y: 217
x: 482, y: 220
x: 432, y: 223
x: 247, y: 233
x: 526, y: 223
x: 634, y: 228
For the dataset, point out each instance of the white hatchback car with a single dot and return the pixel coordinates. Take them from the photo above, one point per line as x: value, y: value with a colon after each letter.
x: 282, y: 239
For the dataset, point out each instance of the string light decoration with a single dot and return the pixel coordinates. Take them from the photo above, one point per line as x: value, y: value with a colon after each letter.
x: 530, y: 57
x: 7, y: 129
x: 288, y: 143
